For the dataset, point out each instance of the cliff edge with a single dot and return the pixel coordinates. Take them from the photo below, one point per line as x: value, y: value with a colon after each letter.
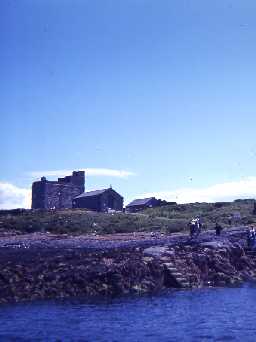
x: 40, y: 265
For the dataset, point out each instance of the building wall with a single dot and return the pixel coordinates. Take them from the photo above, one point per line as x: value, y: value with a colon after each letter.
x: 59, y: 194
x: 101, y: 202
x: 77, y: 178
x: 111, y: 199
x: 38, y: 195
x: 150, y: 204
x: 92, y: 203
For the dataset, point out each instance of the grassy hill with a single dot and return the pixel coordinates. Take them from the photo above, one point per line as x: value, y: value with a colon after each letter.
x: 171, y: 218
x: 210, y: 213
x: 79, y: 221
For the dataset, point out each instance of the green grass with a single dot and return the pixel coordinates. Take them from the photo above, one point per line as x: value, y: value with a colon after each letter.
x: 76, y: 221
x: 171, y: 218
x: 209, y: 212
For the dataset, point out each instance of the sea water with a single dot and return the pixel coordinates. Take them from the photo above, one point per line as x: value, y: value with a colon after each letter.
x: 220, y: 314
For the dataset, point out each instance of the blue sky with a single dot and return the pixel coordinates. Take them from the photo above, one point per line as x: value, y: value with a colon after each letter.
x: 163, y: 91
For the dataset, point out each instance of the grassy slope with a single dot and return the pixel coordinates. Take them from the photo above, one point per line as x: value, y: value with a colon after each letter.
x: 82, y: 222
x: 209, y: 212
x: 167, y: 219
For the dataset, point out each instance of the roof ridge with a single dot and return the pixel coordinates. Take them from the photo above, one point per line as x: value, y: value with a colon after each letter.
x: 140, y: 201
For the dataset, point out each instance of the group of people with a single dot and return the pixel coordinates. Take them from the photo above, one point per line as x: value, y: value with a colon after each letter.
x: 251, y: 238
x: 195, y: 227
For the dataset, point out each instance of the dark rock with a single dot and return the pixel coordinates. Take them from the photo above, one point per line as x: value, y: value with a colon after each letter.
x: 156, y: 251
x: 51, y: 272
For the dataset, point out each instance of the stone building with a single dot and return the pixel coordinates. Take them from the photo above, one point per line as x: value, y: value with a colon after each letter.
x: 99, y: 200
x: 144, y: 203
x: 57, y: 194
x: 140, y: 204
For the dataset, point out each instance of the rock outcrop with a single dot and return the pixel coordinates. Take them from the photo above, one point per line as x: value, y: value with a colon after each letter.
x: 31, y: 272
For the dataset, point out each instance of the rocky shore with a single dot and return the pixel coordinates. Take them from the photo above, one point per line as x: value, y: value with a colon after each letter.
x: 41, y: 265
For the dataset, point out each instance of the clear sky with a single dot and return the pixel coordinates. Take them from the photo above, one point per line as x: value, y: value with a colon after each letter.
x: 153, y: 97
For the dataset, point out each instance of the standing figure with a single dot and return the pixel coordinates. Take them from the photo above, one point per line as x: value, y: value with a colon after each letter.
x: 194, y: 228
x: 218, y: 229
x: 251, y: 237
x: 198, y: 226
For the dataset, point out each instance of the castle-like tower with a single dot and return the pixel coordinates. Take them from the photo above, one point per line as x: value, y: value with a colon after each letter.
x: 57, y: 194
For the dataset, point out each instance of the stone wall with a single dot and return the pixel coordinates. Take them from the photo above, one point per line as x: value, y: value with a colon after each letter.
x: 37, y: 273
x: 60, y: 196
x: 57, y: 194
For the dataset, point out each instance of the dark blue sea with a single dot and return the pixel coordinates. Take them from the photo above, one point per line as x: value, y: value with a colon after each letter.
x: 223, y: 314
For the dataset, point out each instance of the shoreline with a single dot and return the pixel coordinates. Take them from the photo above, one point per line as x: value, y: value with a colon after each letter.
x: 44, y: 266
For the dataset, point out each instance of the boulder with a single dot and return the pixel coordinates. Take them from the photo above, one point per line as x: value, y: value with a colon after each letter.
x: 156, y: 251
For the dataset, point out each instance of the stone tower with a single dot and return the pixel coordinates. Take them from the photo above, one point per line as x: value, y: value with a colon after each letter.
x: 57, y: 194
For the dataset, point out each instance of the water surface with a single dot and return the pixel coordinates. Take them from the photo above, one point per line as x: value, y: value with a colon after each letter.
x: 224, y: 314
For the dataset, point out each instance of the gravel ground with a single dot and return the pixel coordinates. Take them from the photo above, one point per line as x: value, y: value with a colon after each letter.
x: 45, y: 241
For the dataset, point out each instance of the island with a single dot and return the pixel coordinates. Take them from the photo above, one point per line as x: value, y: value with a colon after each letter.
x: 78, y: 253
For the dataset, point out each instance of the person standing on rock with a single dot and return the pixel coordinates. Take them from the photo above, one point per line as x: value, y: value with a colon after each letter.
x: 195, y: 227
x: 218, y: 229
x: 192, y: 227
x: 251, y: 237
x: 198, y: 225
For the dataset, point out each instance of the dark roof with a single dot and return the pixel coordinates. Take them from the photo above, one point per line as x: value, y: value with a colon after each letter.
x: 143, y: 201
x: 91, y: 193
